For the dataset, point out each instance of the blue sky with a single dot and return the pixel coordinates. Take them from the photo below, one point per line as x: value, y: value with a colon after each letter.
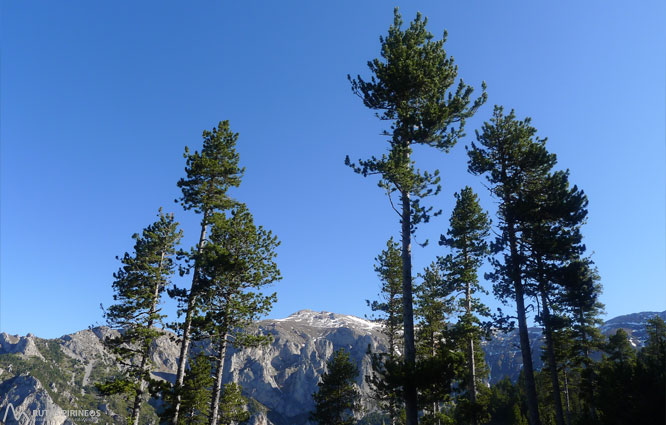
x: 98, y: 100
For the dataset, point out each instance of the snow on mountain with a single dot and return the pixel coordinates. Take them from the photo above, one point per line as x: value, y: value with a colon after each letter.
x: 325, y: 319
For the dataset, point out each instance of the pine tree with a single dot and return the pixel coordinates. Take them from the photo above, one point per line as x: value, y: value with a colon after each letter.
x: 233, y: 406
x: 631, y: 387
x: 209, y: 175
x: 563, y: 342
x: 412, y: 87
x: 138, y: 286
x: 433, y: 311
x: 469, y: 228
x: 654, y: 351
x: 619, y: 348
x: 552, y: 214
x: 616, y: 395
x: 388, y: 267
x: 580, y: 280
x: 511, y: 157
x: 338, y: 400
x: 195, y: 396
x: 235, y: 266
x: 504, y: 404
x: 651, y: 375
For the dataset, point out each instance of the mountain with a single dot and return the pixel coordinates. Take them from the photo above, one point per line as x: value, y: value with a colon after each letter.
x: 280, y: 378
x: 56, y: 376
x: 503, y: 350
x: 633, y: 324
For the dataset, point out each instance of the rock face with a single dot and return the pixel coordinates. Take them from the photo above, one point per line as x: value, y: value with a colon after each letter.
x: 281, y: 377
x: 86, y: 346
x: 503, y: 354
x: 284, y: 375
x: 24, y: 401
x: 23, y: 345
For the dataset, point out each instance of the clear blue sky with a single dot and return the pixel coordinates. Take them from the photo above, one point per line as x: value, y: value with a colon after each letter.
x: 98, y: 100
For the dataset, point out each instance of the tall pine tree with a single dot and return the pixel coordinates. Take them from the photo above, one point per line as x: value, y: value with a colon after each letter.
x: 435, y: 365
x: 413, y: 87
x: 510, y: 156
x: 469, y: 226
x: 552, y: 214
x: 236, y: 264
x: 388, y: 312
x: 139, y: 285
x: 209, y: 175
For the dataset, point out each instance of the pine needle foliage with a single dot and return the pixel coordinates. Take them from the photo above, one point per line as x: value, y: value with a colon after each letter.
x: 138, y: 286
x: 337, y: 401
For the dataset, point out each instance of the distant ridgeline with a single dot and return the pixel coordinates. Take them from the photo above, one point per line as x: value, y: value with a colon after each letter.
x: 45, y: 379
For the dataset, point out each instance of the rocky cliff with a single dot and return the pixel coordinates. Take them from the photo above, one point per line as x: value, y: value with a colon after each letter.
x: 24, y: 401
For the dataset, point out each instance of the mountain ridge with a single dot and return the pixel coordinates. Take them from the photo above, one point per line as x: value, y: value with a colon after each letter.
x: 279, y: 379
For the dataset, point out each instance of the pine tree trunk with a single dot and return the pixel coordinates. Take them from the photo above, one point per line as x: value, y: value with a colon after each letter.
x: 470, y: 354
x: 411, y: 407
x: 583, y: 336
x: 526, y: 351
x: 566, y: 394
x: 217, y: 386
x: 552, y: 363
x: 392, y: 355
x: 187, y: 325
x: 433, y: 352
x: 470, y: 343
x: 586, y: 352
x: 138, y: 398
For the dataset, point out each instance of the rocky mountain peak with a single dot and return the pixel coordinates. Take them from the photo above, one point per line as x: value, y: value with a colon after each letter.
x: 325, y: 319
x: 21, y: 345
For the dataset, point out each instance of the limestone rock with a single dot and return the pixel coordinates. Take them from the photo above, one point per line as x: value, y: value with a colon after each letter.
x: 22, y: 345
x: 24, y: 399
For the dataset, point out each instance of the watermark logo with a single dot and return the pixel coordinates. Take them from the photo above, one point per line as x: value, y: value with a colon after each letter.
x: 22, y: 417
x: 41, y: 416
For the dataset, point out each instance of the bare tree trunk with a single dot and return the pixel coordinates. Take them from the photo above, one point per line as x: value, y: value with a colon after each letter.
x: 187, y: 326
x: 217, y: 386
x: 138, y: 398
x: 526, y: 351
x: 470, y: 343
x: 392, y: 355
x: 433, y: 352
x: 411, y: 406
x: 470, y: 353
x: 566, y: 394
